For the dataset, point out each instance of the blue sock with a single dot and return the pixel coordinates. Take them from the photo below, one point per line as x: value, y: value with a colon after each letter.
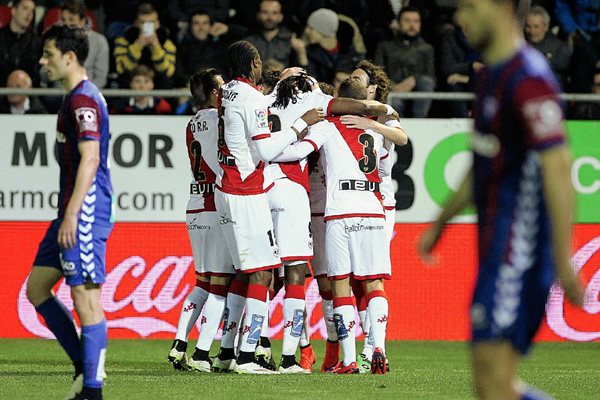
x: 532, y: 393
x: 93, y: 343
x: 60, y: 322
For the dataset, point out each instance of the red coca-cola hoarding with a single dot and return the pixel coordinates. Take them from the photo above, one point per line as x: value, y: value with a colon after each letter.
x: 150, y: 272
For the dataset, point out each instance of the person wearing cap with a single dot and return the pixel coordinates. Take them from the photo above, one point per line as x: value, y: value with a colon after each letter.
x: 318, y: 50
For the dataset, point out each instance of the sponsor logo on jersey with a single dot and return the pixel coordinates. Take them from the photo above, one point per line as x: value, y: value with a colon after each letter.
x: 87, y: 119
x: 358, y: 227
x: 262, y: 120
x: 224, y: 220
x: 68, y: 267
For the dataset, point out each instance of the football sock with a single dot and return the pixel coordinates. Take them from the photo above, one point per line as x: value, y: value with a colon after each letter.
x: 234, y: 308
x: 91, y: 393
x: 345, y: 324
x: 378, y: 314
x: 212, y: 316
x: 531, y: 393
x: 327, y: 308
x: 265, y: 328
x: 60, y: 322
x: 293, y: 315
x: 287, y: 360
x: 332, y: 353
x: 256, y: 311
x: 93, y: 343
x: 305, y: 336
x: 200, y: 355
x: 264, y: 341
x: 192, y: 306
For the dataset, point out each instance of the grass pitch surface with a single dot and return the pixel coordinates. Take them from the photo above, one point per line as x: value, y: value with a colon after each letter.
x: 138, y: 369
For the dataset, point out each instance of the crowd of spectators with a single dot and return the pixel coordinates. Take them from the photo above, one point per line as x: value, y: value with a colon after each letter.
x: 160, y: 44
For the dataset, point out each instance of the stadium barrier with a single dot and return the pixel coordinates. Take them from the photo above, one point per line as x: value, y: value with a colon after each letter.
x: 150, y: 268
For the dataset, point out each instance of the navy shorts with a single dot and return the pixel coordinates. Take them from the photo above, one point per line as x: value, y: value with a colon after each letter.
x: 86, y: 261
x: 509, y: 304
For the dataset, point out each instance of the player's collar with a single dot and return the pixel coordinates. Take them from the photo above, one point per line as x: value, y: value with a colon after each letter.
x: 246, y: 80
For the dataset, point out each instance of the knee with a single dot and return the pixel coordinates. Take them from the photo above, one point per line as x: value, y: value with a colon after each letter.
x: 36, y: 294
x: 295, y: 275
x: 261, y: 278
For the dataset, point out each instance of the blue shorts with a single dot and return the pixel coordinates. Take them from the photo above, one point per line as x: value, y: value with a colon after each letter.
x: 86, y: 261
x: 509, y: 304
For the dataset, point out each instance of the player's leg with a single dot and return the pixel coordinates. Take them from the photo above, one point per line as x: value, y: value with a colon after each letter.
x: 378, y: 315
x: 190, y: 311
x: 495, y: 370
x: 364, y: 359
x: 294, y: 304
x: 211, y: 319
x: 57, y: 317
x: 308, y: 358
x: 263, y: 354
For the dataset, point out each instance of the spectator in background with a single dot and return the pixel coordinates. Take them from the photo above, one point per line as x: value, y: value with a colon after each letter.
x: 19, y: 103
x: 180, y: 11
x: 409, y: 62
x: 318, y: 50
x: 589, y: 110
x: 458, y: 62
x: 580, y: 21
x: 556, y: 51
x: 142, y: 78
x: 20, y: 46
x: 98, y: 59
x: 272, y: 40
x: 146, y: 43
x: 199, y: 49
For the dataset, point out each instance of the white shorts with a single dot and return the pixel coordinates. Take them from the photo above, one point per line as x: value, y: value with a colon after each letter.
x: 319, y: 261
x: 211, y: 256
x: 290, y: 211
x: 357, y: 246
x: 390, y: 222
x: 248, y: 230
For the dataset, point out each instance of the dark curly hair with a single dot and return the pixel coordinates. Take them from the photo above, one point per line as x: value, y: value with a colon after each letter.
x: 377, y: 76
x: 290, y: 88
x: 202, y: 83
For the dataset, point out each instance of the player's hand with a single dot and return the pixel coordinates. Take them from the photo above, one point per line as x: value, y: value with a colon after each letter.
x: 291, y: 71
x: 427, y: 243
x: 571, y: 285
x: 313, y: 116
x: 357, y: 122
x: 67, y: 232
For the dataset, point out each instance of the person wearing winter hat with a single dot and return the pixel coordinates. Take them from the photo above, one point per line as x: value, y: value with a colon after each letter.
x: 318, y: 49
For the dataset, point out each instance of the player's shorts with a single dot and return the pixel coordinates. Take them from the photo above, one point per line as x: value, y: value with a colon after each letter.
x: 319, y: 261
x: 248, y: 231
x: 211, y: 256
x: 290, y: 211
x: 509, y: 304
x: 357, y: 246
x: 390, y: 222
x: 84, y: 262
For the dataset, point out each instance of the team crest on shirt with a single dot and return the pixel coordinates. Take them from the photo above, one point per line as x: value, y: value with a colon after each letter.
x: 87, y: 119
x: 544, y: 116
x: 262, y: 120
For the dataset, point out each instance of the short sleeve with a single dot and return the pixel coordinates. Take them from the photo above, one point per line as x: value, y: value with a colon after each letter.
x: 321, y: 100
x: 86, y: 116
x: 540, y: 112
x: 318, y: 134
x: 257, y: 116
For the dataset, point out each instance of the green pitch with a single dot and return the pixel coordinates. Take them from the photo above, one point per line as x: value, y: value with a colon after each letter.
x: 138, y: 369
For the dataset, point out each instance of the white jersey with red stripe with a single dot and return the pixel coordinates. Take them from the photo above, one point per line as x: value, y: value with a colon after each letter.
x: 243, y: 119
x: 283, y: 118
x: 351, y: 163
x: 202, y: 133
x: 386, y: 163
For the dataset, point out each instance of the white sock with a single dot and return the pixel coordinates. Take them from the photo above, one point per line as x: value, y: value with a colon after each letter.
x: 344, y: 319
x: 192, y: 306
x: 365, y: 323
x: 265, y: 328
x: 378, y: 313
x: 305, y: 337
x: 293, y: 316
x: 256, y: 312
x: 327, y: 307
x: 212, y: 317
x: 232, y: 316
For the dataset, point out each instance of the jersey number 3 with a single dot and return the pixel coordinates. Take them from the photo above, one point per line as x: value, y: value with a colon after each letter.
x: 368, y: 163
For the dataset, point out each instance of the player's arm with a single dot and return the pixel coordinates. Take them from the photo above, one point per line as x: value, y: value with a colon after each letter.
x: 558, y: 192
x: 90, y: 159
x: 456, y: 203
x: 394, y: 134
x: 269, y: 147
x: 301, y: 149
x: 343, y: 105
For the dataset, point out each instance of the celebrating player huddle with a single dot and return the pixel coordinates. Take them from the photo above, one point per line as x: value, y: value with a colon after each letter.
x: 253, y: 227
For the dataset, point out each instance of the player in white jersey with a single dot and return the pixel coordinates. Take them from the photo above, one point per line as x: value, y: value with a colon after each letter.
x: 377, y: 83
x: 289, y: 201
x: 214, y: 266
x: 245, y: 143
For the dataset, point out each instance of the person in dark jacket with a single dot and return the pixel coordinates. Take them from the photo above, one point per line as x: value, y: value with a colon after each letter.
x: 18, y: 103
x: 20, y: 46
x: 142, y: 79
